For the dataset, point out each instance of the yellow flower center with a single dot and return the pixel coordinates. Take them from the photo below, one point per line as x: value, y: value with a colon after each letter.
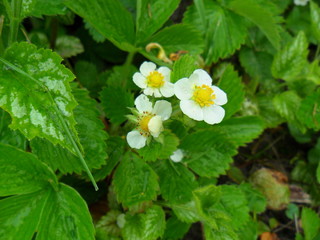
x: 144, y: 121
x: 155, y: 80
x: 203, y: 95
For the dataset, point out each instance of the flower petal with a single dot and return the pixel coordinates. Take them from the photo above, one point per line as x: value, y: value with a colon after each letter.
x: 191, y: 109
x: 213, y: 114
x: 148, y: 91
x: 165, y: 72
x: 163, y: 109
x: 177, y: 156
x: 136, y: 140
x: 143, y: 104
x: 167, y: 89
x: 221, y: 96
x: 146, y: 68
x: 155, y: 126
x: 183, y: 89
x: 203, y: 77
x: 140, y: 80
x: 156, y: 93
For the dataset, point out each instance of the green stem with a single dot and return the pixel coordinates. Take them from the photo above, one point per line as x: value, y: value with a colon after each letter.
x: 8, y: 9
x: 1, y: 41
x: 154, y: 59
x: 127, y: 64
x: 139, y: 6
x: 16, y: 6
x: 58, y: 113
x: 2, y: 113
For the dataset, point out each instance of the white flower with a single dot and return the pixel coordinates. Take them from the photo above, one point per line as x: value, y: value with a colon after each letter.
x: 154, y: 81
x: 301, y: 2
x: 199, y: 99
x: 177, y: 156
x: 149, y: 122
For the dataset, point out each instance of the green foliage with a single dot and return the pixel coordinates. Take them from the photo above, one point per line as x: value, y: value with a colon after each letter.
x: 310, y: 223
x: 135, y: 181
x: 38, y: 8
x: 183, y: 67
x: 109, y: 18
x: 175, y: 229
x: 309, y: 111
x: 91, y: 134
x: 231, y: 83
x: 149, y: 225
x: 315, y: 19
x: 257, y: 202
x: 68, y: 46
x: 289, y: 61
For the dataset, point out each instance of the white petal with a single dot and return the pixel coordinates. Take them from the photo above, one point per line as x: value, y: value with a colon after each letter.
x: 143, y: 104
x: 165, y: 71
x: 163, y: 109
x: 136, y: 140
x: 167, y: 89
x: 203, y: 77
x: 177, y: 156
x: 183, y: 89
x: 156, y: 93
x: 140, y: 80
x: 148, y: 91
x: 155, y: 126
x: 191, y: 109
x: 213, y: 114
x: 221, y: 96
x: 146, y: 68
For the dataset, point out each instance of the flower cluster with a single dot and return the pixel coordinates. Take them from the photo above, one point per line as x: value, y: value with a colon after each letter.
x: 199, y: 100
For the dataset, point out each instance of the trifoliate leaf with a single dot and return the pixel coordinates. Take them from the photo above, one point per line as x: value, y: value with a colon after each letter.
x: 91, y: 134
x: 183, y: 67
x: 175, y: 229
x: 310, y: 223
x: 135, y: 181
x: 37, y: 94
x: 116, y: 102
x: 109, y: 18
x: 68, y: 46
x: 172, y: 176
x: 151, y: 15
x: 309, y: 111
x: 257, y: 203
x: 231, y: 84
x: 241, y: 130
x: 210, y: 163
x: 290, y: 61
x: 315, y: 19
x: 22, y: 172
x: 260, y: 16
x: 9, y: 136
x: 222, y: 24
x: 148, y: 226
x: 173, y: 39
x: 156, y: 150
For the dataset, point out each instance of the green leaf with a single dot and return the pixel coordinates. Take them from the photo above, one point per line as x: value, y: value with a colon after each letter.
x: 222, y: 24
x: 256, y: 63
x: 66, y: 216
x: 183, y: 67
x: 315, y: 19
x: 186, y: 212
x: 38, y: 8
x: 249, y: 231
x: 68, y: 46
x: 172, y: 176
x: 309, y: 111
x: 241, y: 130
x: 22, y: 172
x: 148, y: 226
x: 35, y: 105
x: 135, y: 181
x: 116, y: 102
x: 109, y: 18
x: 286, y: 104
x: 267, y: 111
x: 91, y: 134
x: 175, y: 229
x: 173, y: 39
x: 231, y: 84
x: 7, y: 135
x: 151, y: 15
x: 210, y: 163
x: 156, y: 150
x: 310, y: 223
x: 260, y: 16
x: 20, y: 215
x: 224, y: 233
x: 291, y: 60
x: 257, y: 203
